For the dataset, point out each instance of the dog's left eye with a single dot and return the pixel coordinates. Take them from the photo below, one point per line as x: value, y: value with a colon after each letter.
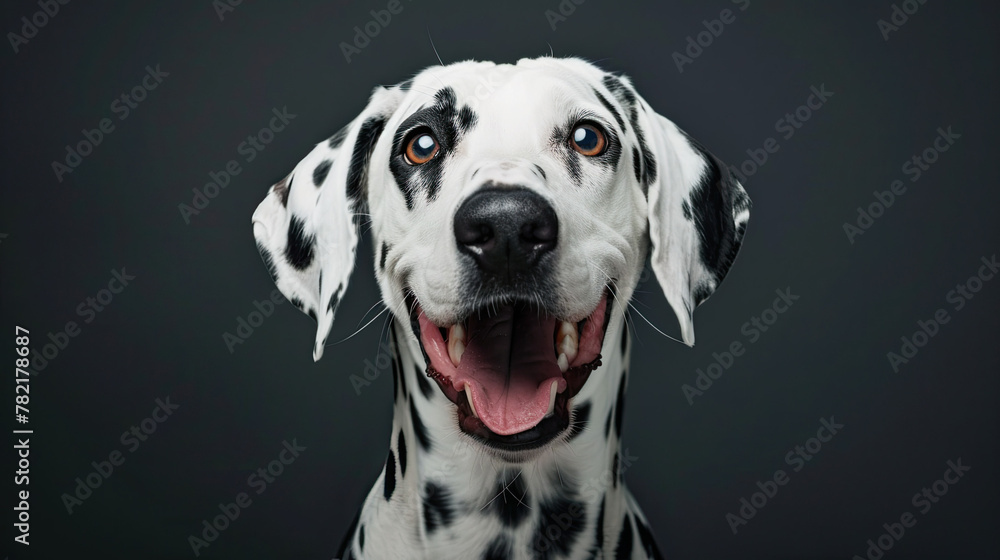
x: 588, y: 139
x: 421, y: 147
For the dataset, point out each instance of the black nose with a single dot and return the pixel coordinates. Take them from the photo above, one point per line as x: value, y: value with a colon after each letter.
x: 506, y: 230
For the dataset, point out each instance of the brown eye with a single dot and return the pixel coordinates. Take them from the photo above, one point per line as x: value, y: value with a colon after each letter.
x: 421, y: 148
x: 588, y: 139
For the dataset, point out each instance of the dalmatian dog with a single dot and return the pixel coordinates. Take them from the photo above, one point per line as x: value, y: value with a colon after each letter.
x: 512, y: 208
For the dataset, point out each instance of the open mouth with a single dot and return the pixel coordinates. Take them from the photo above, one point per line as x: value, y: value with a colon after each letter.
x: 511, y: 370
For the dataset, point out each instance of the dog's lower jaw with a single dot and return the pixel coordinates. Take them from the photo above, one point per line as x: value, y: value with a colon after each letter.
x: 442, y: 494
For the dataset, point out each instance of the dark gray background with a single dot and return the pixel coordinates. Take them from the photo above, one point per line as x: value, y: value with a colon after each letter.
x: 826, y: 356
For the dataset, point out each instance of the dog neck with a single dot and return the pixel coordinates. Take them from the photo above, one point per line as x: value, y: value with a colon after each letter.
x: 439, y: 486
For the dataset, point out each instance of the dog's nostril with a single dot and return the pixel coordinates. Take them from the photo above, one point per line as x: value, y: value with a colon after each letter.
x: 506, y: 230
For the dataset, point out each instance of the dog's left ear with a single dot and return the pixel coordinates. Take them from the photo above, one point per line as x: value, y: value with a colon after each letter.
x: 306, y: 229
x: 698, y: 213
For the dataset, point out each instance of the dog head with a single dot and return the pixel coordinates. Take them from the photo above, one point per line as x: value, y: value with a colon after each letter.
x: 511, y: 207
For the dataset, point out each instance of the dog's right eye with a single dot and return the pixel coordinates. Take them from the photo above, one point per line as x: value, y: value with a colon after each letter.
x: 421, y: 147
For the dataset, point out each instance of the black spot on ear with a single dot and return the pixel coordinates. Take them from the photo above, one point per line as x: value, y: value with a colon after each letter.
x: 647, y: 540
x: 321, y: 171
x: 511, y: 506
x: 438, y: 510
x: 499, y: 549
x: 401, y: 448
x: 599, y: 527
x: 298, y: 303
x: 335, y: 298
x: 714, y: 202
x: 418, y: 428
x: 345, y: 544
x: 624, y: 549
x: 282, y: 188
x: 265, y: 256
x: 611, y: 109
x: 338, y: 138
x: 466, y: 119
x: 361, y: 538
x: 312, y: 314
x: 620, y: 406
x: 701, y: 293
x: 357, y: 173
x: 390, y: 475
x: 581, y: 415
x: 381, y: 259
x: 570, y: 516
x: 299, y: 248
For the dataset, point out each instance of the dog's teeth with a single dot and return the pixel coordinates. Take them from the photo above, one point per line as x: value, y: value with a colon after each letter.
x: 468, y: 396
x: 568, y: 340
x: 456, y: 343
x: 563, y: 362
x: 553, y: 389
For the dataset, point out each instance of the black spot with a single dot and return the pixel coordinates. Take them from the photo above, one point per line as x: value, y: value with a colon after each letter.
x: 321, y: 171
x: 599, y: 528
x: 337, y: 139
x: 624, y: 549
x: 614, y: 471
x: 701, y: 293
x: 611, y: 108
x: 282, y: 189
x: 345, y: 544
x: 686, y: 208
x: 418, y: 428
x: 438, y: 510
x: 619, y: 90
x: 511, y: 506
x: 397, y: 365
x: 466, y: 119
x: 299, y: 248
x: 636, y: 164
x: 629, y: 100
x: 361, y: 538
x: 581, y: 415
x: 390, y: 475
x: 381, y: 259
x: 448, y: 123
x: 357, y: 173
x: 401, y: 445
x: 714, y: 201
x: 540, y: 171
x: 620, y: 406
x: 647, y: 540
x: 265, y: 256
x: 624, y: 337
x: 425, y: 385
x: 499, y: 549
x: 607, y: 425
x: 569, y: 516
x: 335, y: 298
x: 312, y: 314
x: 298, y: 303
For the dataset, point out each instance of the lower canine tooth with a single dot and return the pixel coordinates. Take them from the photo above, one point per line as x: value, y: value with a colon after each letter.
x: 563, y: 363
x: 468, y: 396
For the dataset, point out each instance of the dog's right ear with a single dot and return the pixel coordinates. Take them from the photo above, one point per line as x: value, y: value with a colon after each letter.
x: 306, y: 229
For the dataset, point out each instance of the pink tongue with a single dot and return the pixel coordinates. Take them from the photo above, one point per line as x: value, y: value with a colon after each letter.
x: 509, y: 364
